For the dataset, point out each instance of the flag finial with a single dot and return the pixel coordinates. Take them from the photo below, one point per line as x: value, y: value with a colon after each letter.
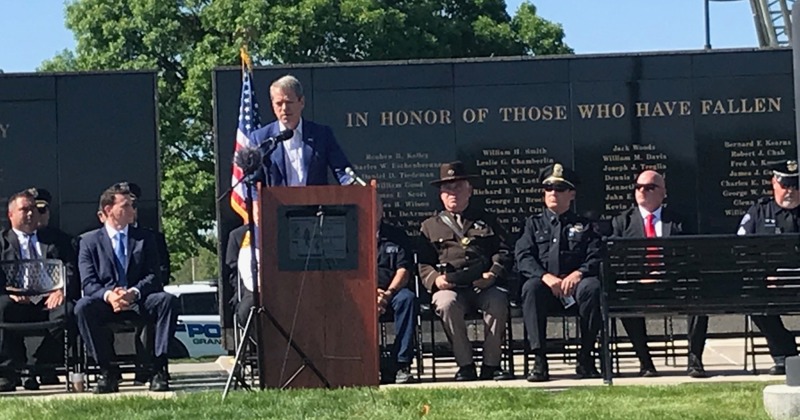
x: 247, y: 63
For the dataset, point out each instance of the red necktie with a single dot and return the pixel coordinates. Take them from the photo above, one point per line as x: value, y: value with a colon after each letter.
x: 649, y: 226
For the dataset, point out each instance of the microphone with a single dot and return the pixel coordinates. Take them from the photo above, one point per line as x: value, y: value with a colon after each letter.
x: 249, y: 159
x: 271, y: 142
x: 356, y: 180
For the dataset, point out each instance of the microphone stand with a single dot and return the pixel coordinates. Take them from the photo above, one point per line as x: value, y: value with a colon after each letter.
x: 251, y: 323
x: 257, y: 308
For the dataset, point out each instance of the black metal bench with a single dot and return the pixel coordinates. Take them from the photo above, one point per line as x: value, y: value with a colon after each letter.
x: 699, y: 275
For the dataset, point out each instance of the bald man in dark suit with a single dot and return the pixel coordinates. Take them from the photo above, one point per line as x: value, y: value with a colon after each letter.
x: 649, y: 218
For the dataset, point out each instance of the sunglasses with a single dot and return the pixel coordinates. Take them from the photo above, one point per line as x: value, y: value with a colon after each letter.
x: 556, y: 187
x: 647, y: 187
x: 43, y: 210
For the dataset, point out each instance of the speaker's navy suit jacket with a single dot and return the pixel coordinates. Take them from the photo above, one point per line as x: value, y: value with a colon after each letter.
x: 96, y: 263
x: 320, y: 152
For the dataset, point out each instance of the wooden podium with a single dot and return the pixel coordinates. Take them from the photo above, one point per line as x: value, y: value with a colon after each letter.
x: 318, y: 281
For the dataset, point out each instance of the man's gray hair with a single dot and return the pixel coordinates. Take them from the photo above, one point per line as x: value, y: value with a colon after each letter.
x: 288, y: 83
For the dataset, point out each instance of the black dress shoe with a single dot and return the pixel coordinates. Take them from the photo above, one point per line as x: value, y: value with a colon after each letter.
x: 31, y: 384
x: 466, y: 373
x: 49, y: 379
x: 697, y: 372
x: 141, y: 378
x: 495, y: 373
x: 107, y: 383
x: 540, y: 372
x: 648, y: 371
x: 159, y: 382
x: 587, y: 371
x: 8, y: 384
x: 777, y: 370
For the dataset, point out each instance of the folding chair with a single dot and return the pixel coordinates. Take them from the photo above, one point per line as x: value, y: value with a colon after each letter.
x: 250, y: 363
x: 34, y: 278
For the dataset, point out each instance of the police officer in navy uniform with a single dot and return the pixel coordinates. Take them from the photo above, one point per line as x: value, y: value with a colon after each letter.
x: 464, y: 255
x: 773, y: 216
x: 558, y: 258
x: 395, y: 264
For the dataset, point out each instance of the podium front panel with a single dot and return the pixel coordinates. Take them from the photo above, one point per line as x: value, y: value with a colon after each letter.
x: 318, y: 277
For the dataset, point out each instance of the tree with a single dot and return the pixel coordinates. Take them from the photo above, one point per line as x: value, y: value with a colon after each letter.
x: 185, y: 39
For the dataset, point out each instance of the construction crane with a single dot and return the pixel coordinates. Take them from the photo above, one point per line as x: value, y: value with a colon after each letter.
x: 773, y: 19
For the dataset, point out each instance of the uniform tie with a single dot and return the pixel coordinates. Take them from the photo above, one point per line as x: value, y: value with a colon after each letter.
x: 459, y: 220
x: 554, y: 253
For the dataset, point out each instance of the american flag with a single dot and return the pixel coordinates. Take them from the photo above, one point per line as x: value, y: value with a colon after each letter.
x: 249, y: 121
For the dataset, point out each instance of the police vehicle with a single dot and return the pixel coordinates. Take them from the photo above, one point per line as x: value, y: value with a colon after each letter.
x: 199, y: 332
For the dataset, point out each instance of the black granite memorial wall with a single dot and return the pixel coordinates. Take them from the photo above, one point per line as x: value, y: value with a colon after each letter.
x: 709, y: 121
x: 76, y: 134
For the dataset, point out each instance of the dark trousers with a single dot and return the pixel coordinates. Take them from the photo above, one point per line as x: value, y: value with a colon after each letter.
x: 94, y: 314
x: 243, y: 307
x: 780, y: 340
x: 12, y: 345
x: 537, y: 299
x: 637, y: 332
x: 404, y: 309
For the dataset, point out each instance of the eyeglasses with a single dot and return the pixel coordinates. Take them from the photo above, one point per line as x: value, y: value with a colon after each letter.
x: 556, y: 187
x: 647, y: 187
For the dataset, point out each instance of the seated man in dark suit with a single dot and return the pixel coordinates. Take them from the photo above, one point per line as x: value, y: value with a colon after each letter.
x: 118, y: 266
x: 26, y: 240
x: 305, y: 158
x: 651, y: 219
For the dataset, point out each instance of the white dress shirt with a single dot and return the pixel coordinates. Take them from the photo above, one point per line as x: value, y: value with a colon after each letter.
x: 112, y: 233
x: 22, y: 237
x: 25, y: 252
x: 656, y: 220
x: 293, y: 150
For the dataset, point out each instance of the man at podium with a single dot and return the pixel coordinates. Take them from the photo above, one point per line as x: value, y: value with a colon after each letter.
x: 304, y: 158
x: 463, y: 255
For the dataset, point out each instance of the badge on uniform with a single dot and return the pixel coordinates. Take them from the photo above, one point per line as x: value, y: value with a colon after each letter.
x: 465, y: 241
x: 575, y: 229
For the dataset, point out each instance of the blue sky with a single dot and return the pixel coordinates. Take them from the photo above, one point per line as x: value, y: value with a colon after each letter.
x: 33, y: 30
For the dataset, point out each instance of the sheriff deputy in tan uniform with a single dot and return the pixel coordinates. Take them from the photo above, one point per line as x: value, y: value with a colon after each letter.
x: 464, y: 255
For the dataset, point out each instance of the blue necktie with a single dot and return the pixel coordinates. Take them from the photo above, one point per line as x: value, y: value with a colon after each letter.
x: 32, y: 254
x: 119, y: 252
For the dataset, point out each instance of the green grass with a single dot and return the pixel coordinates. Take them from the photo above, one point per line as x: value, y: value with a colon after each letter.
x: 691, y: 401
